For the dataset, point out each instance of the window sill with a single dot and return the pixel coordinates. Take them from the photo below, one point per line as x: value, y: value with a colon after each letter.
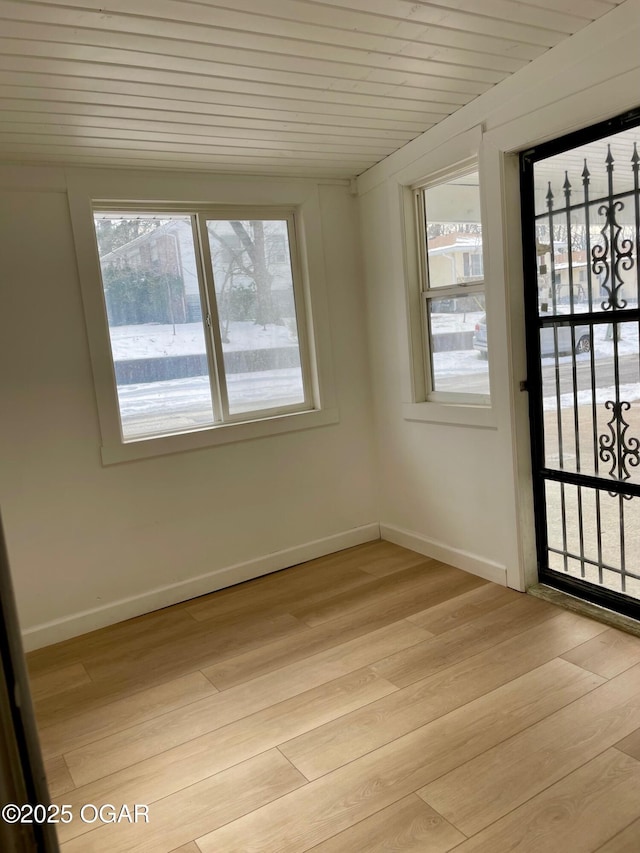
x: 213, y: 436
x: 469, y: 415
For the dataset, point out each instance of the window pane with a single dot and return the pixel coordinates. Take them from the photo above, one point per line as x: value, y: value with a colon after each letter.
x: 152, y: 298
x: 454, y: 231
x: 458, y: 333
x: 257, y: 313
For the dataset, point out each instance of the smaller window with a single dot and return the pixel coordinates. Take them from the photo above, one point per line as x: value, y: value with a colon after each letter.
x: 473, y: 264
x: 450, y: 232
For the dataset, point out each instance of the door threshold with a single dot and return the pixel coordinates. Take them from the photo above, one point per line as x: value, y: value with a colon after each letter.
x: 585, y: 608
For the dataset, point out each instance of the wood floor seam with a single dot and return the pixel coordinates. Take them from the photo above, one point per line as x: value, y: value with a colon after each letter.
x: 211, y: 682
x: 569, y: 773
x: 273, y: 671
x: 147, y: 719
x: 619, y: 834
x: 291, y: 764
x: 515, y: 734
x: 618, y: 749
x: 515, y: 808
x: 123, y: 694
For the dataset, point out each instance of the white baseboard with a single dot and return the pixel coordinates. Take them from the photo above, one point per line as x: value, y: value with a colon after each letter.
x: 464, y: 560
x: 127, y: 608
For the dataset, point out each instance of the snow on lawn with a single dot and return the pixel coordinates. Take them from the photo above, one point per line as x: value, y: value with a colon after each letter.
x: 464, y: 362
x: 630, y: 393
x: 154, y: 408
x: 459, y: 363
x: 155, y: 341
x: 455, y: 322
x: 244, y: 389
x: 152, y: 340
x: 627, y: 345
x: 603, y: 349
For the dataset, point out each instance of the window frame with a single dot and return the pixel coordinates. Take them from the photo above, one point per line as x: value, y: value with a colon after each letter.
x: 476, y: 402
x: 86, y: 192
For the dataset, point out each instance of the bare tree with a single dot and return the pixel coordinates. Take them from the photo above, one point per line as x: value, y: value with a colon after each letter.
x: 244, y: 259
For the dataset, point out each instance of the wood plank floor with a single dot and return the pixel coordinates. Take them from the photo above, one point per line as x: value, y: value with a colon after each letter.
x: 366, y: 702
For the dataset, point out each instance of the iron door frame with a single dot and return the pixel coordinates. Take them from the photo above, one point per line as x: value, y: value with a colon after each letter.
x: 602, y: 596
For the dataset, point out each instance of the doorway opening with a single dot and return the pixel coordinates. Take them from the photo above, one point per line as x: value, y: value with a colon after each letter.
x: 581, y: 239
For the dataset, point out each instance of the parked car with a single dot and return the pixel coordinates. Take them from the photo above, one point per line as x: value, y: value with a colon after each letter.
x: 479, y: 340
x: 547, y: 345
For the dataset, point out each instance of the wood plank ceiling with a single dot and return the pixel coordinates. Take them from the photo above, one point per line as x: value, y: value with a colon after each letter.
x: 307, y: 87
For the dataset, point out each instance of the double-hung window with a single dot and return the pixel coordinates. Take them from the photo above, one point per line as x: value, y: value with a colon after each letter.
x: 452, y: 289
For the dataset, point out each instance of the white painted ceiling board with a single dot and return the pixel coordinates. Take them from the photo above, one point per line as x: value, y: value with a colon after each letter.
x: 304, y: 21
x: 316, y: 87
x: 275, y: 37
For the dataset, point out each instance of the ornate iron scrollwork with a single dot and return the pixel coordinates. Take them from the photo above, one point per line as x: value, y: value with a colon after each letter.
x: 615, y: 254
x: 616, y: 448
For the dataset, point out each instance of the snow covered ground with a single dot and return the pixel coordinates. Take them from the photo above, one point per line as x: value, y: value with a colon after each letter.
x: 459, y: 363
x: 454, y: 322
x: 155, y: 341
x: 603, y: 350
x: 462, y: 363
x: 156, y: 407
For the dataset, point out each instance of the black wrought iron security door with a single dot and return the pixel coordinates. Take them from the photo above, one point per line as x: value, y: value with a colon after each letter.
x: 581, y: 239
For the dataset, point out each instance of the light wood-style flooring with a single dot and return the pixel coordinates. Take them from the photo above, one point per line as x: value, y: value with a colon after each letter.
x: 366, y: 702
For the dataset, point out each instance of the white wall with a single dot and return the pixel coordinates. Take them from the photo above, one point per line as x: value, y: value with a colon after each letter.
x: 461, y: 492
x: 90, y: 545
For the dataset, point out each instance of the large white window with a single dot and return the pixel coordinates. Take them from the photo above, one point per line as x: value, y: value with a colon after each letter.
x: 206, y: 308
x: 205, y: 315
x: 452, y: 289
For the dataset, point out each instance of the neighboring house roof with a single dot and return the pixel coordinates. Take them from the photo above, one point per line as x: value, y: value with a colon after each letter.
x: 447, y: 243
x: 165, y: 228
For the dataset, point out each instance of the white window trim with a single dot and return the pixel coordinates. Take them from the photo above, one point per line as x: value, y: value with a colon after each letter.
x: 104, y: 189
x: 427, y: 405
